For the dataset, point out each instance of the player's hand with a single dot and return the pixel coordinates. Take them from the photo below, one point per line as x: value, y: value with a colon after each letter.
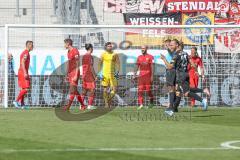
x: 134, y: 77
x: 26, y: 76
x: 203, y: 78
x: 75, y: 78
x: 116, y: 74
x: 162, y: 57
x: 151, y: 79
x: 66, y: 79
x: 83, y: 76
x: 100, y: 76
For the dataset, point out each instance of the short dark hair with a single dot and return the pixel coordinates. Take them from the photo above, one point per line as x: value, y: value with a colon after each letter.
x: 108, y: 43
x: 167, y: 40
x: 181, y: 44
x: 28, y: 41
x: 88, y: 46
x: 177, y: 41
x: 195, y: 48
x: 69, y: 41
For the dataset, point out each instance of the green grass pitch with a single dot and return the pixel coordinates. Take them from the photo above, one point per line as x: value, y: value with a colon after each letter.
x: 121, y: 134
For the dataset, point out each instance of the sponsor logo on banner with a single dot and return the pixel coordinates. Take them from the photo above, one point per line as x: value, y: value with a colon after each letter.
x: 197, y: 5
x: 231, y: 17
x: 201, y: 36
x: 150, y: 36
x: 224, y: 6
x: 134, y: 6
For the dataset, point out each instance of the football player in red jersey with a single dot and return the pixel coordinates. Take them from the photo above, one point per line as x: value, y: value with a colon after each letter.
x: 89, y: 76
x: 23, y: 76
x: 145, y: 65
x: 196, y: 62
x: 73, y: 73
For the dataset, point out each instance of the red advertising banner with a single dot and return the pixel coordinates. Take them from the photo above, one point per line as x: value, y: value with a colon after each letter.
x: 134, y: 6
x: 227, y: 40
x: 197, y: 5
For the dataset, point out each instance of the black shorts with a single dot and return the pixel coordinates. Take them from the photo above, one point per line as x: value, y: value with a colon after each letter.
x: 171, y: 77
x: 182, y: 80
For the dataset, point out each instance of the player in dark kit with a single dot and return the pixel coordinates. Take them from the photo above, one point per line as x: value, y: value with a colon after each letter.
x: 181, y: 64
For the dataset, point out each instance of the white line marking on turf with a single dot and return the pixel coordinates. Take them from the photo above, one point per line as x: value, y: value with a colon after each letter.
x: 229, y: 144
x: 224, y: 146
x: 109, y: 149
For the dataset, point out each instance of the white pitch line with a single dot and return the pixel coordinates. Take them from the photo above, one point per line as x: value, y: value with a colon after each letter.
x: 224, y: 146
x: 229, y: 144
x: 111, y: 149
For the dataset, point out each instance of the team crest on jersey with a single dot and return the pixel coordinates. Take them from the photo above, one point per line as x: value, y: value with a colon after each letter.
x: 25, y: 56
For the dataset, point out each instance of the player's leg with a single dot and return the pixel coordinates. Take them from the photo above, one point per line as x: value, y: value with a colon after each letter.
x: 194, y: 87
x: 112, y: 95
x: 84, y: 90
x: 140, y: 96
x: 193, y: 84
x: 113, y: 86
x: 188, y: 93
x: 172, y: 96
x: 178, y: 98
x: 20, y: 98
x: 23, y: 97
x: 84, y: 94
x: 72, y: 90
x: 150, y: 94
x: 141, y: 88
x: 105, y: 83
x: 91, y: 98
x: 25, y: 85
x: 80, y: 100
x: 171, y: 82
x: 106, y: 96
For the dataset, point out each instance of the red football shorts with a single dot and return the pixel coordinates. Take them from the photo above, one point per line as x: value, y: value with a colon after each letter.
x: 22, y: 81
x: 144, y: 83
x: 71, y: 80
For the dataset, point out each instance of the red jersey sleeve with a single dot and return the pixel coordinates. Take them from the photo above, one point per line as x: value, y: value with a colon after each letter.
x: 151, y: 59
x: 138, y: 61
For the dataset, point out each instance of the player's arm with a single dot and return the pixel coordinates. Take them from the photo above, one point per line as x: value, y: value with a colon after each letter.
x: 117, y: 60
x: 92, y: 69
x: 77, y: 58
x: 136, y: 68
x: 100, y: 64
x: 23, y: 64
x: 168, y: 65
x: 66, y: 71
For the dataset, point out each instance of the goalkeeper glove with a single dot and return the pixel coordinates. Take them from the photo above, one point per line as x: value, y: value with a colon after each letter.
x: 100, y: 75
x: 116, y: 74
